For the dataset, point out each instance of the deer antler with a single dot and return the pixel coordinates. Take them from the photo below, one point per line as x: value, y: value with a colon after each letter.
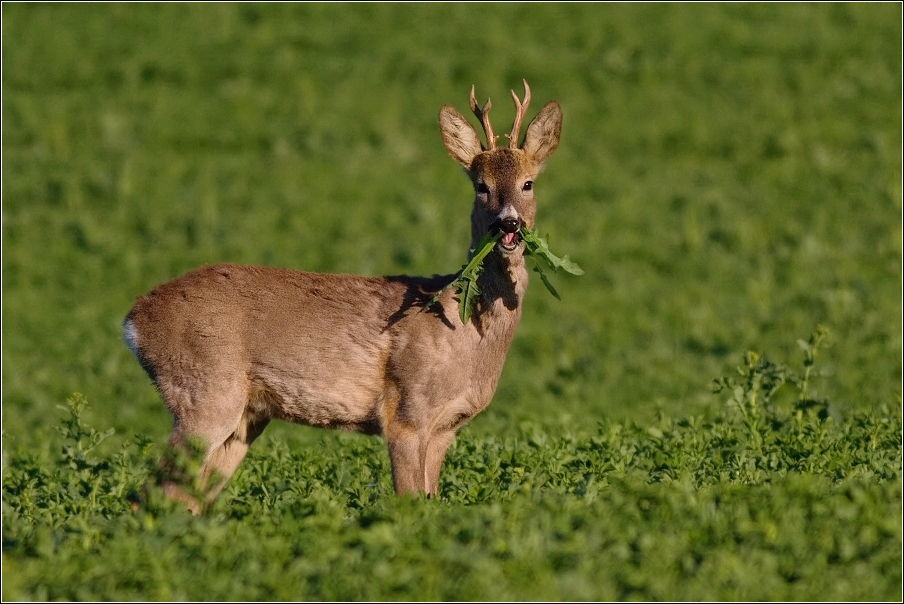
x: 483, y: 115
x: 520, y: 110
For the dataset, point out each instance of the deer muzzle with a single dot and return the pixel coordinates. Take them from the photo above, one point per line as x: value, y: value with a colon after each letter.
x: 510, y: 225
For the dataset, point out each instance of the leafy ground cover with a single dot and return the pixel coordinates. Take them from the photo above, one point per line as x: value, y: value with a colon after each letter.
x: 768, y: 500
x: 729, y: 176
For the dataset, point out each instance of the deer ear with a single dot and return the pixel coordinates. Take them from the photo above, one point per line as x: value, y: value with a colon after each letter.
x: 459, y: 138
x: 542, y: 135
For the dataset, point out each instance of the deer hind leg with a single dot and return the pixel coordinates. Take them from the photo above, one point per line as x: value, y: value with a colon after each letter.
x: 222, y: 461
x: 222, y: 425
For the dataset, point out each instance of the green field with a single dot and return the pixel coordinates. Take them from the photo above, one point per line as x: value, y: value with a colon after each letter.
x: 729, y: 178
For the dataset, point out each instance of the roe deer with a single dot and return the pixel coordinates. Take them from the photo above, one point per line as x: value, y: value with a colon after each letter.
x: 231, y: 347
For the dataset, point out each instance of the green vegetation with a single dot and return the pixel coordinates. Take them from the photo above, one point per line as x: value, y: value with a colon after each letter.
x: 465, y: 281
x: 536, y: 247
x: 766, y: 501
x: 728, y: 178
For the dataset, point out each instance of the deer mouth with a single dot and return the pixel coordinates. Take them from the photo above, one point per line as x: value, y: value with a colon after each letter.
x: 509, y: 241
x: 508, y: 229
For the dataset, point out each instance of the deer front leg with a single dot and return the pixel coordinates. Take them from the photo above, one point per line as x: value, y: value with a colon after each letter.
x: 433, y: 462
x: 416, y: 460
x: 406, y: 460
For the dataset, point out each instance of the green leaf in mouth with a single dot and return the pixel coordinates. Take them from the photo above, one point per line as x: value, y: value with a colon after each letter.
x: 465, y: 281
x: 536, y: 247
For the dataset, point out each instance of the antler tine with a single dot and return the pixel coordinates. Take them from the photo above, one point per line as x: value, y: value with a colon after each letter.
x: 520, y: 110
x: 484, y: 117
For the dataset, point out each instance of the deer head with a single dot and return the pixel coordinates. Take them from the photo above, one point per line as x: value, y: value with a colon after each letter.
x: 503, y: 177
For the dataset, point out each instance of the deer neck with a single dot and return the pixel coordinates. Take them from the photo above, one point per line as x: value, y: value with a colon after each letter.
x: 502, y: 285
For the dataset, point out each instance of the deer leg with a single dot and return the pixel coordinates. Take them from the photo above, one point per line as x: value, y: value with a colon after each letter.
x: 416, y: 460
x: 171, y: 476
x: 406, y: 459
x: 222, y: 462
x: 436, y: 452
x: 218, y: 423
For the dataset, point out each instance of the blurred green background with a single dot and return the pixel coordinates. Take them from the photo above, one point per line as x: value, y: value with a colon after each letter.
x: 729, y: 176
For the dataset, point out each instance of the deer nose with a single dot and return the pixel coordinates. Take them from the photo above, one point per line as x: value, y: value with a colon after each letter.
x: 510, y: 225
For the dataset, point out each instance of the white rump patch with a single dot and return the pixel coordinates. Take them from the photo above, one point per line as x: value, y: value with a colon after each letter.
x: 130, y: 335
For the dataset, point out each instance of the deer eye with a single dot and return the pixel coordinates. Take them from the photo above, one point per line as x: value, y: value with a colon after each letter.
x: 529, y: 185
x: 483, y: 188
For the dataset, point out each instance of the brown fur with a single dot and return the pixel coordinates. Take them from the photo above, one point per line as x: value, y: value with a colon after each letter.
x: 231, y: 347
